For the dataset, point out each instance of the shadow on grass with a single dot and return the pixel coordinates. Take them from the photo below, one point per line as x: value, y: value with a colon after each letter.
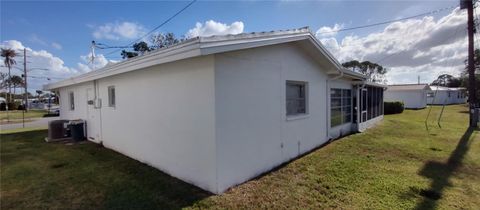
x: 440, y: 173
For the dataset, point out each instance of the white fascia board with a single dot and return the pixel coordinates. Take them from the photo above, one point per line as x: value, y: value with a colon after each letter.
x: 178, y: 52
x: 370, y: 84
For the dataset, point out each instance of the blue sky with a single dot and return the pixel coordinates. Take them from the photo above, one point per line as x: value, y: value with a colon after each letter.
x: 65, y: 29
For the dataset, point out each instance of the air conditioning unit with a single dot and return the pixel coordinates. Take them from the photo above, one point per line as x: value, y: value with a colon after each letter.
x: 57, y: 130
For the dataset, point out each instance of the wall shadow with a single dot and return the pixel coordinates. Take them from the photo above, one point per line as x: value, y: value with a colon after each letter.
x: 440, y: 173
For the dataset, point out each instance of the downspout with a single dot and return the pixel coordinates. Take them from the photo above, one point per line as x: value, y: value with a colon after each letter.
x: 328, y: 102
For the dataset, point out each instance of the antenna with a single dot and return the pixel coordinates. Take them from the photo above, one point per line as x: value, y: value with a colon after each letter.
x: 92, y: 54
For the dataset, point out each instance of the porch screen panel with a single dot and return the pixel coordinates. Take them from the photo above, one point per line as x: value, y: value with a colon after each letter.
x: 340, y: 106
x: 370, y: 102
x: 374, y: 102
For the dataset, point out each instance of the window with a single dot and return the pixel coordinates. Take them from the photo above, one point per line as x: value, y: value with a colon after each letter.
x: 111, y: 96
x: 72, y: 101
x: 296, y: 98
x: 340, y: 106
x: 430, y: 94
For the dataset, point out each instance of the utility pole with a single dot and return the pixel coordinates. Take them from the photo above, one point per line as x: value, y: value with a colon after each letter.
x: 471, y: 65
x: 25, y: 76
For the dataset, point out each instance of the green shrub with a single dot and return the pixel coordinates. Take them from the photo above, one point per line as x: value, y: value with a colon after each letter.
x: 3, y: 106
x: 393, y: 107
x: 12, y: 106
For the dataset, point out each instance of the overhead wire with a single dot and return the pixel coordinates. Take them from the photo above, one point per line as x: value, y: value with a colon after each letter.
x: 392, y: 21
x: 156, y: 28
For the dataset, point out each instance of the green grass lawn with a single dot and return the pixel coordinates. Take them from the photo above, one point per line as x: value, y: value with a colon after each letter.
x: 397, y: 165
x: 18, y: 114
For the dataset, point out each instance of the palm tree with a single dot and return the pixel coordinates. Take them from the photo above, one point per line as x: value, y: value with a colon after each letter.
x: 8, y: 55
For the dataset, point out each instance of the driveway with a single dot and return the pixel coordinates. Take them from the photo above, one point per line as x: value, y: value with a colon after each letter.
x: 36, y: 123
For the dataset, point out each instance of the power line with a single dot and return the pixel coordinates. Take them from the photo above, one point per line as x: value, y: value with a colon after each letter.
x: 390, y: 21
x: 153, y: 30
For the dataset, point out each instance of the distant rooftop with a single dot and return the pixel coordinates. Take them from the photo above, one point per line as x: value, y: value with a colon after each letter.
x: 433, y: 87
x: 401, y: 87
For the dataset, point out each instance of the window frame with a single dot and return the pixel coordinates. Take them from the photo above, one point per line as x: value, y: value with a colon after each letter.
x: 346, y: 109
x: 112, y: 99
x: 304, y: 84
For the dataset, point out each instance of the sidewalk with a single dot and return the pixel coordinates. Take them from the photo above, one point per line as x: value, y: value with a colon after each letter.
x: 36, y: 123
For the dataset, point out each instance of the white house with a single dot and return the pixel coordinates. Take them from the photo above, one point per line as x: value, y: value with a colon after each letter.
x: 414, y: 96
x: 218, y: 111
x: 439, y: 95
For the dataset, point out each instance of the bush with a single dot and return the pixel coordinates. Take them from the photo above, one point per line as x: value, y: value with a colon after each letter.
x: 3, y: 106
x: 20, y: 107
x: 394, y: 107
x: 12, y: 106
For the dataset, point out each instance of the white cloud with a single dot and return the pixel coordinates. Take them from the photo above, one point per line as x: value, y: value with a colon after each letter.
x: 211, y: 28
x: 39, y: 59
x: 119, y: 30
x: 326, y: 31
x: 422, y: 47
x: 99, y: 61
x: 56, y: 46
x: 57, y: 70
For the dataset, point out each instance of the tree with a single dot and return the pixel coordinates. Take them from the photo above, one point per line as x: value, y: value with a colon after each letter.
x: 39, y: 92
x: 158, y: 41
x: 141, y: 47
x: 9, y: 60
x: 16, y: 82
x: 4, y: 82
x: 164, y: 40
x: 375, y: 72
x: 447, y: 80
x: 127, y: 54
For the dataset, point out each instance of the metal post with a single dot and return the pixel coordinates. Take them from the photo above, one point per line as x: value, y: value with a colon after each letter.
x: 25, y: 76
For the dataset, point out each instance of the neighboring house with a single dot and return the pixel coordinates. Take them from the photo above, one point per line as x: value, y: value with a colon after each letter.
x: 2, y: 100
x: 439, y: 95
x: 414, y: 96
x: 218, y: 111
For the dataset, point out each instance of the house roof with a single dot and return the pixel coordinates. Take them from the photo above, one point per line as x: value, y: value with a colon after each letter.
x: 407, y: 87
x: 446, y: 88
x: 200, y: 46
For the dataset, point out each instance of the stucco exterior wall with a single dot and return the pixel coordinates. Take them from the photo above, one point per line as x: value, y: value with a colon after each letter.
x: 164, y: 117
x: 80, y: 101
x: 412, y: 99
x: 253, y: 133
x: 443, y: 97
